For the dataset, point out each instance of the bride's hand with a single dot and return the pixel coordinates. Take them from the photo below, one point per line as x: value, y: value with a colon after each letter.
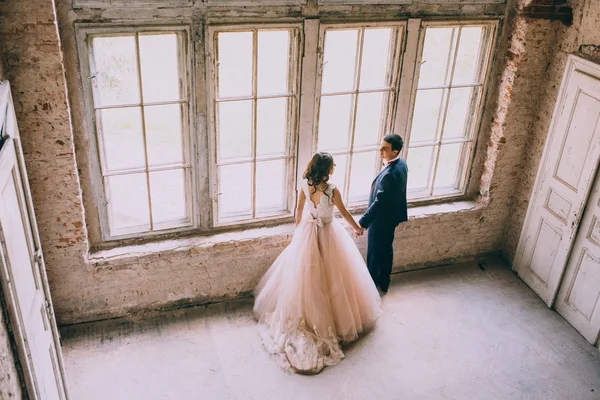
x: 358, y: 232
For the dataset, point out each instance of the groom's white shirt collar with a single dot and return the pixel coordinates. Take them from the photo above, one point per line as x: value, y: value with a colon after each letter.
x: 386, y: 163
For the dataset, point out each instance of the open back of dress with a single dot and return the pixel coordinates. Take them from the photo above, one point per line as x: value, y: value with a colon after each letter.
x: 317, y: 293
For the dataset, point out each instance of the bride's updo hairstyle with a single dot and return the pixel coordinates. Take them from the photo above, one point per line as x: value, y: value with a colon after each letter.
x: 318, y: 169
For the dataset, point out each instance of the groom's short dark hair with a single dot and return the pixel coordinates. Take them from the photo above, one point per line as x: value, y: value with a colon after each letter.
x: 395, y: 140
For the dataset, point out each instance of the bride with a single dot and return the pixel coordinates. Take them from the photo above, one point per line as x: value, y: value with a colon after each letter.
x: 318, y: 293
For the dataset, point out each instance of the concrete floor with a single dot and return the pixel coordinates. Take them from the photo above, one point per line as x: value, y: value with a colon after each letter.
x: 454, y: 332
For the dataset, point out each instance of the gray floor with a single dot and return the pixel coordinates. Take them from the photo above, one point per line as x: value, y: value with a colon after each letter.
x: 454, y: 332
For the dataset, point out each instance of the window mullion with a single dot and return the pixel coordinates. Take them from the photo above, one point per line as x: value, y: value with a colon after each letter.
x: 214, y: 78
x: 292, y: 107
x: 395, y: 53
x: 254, y: 115
x: 263, y: 97
x: 445, y: 113
x: 465, y: 85
x: 359, y: 53
x: 484, y: 55
x: 139, y: 75
x: 408, y: 77
x: 308, y: 95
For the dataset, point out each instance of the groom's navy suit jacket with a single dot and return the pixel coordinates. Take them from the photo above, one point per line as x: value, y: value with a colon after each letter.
x: 387, y: 202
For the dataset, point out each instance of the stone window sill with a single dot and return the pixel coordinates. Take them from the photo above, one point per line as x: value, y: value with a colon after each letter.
x: 195, y: 245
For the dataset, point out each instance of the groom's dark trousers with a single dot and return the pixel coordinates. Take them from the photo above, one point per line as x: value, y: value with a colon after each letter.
x: 387, y: 208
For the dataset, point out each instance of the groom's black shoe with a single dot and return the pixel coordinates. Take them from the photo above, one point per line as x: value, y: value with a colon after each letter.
x: 383, y: 286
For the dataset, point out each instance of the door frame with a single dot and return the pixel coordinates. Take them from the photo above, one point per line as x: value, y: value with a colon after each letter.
x: 13, y: 143
x: 575, y: 63
x: 562, y: 305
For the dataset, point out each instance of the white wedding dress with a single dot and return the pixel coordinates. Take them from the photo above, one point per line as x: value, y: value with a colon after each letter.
x: 317, y: 293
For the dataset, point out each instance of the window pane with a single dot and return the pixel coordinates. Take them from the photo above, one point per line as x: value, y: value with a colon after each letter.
x: 127, y: 200
x: 273, y: 58
x: 159, y: 65
x: 235, y: 129
x: 362, y: 175
x: 459, y: 107
x: 439, y: 44
x: 420, y: 161
x: 427, y: 115
x: 272, y: 126
x: 448, y: 166
x: 235, y: 64
x: 339, y: 171
x: 339, y: 61
x: 271, y: 186
x: 370, y: 117
x: 163, y: 134
x: 468, y: 58
x: 115, y: 65
x: 235, y: 186
x: 375, y: 59
x: 168, y: 195
x: 334, y: 123
x: 122, y: 137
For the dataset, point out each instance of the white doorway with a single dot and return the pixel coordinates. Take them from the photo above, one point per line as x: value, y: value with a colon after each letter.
x: 578, y: 298
x: 557, y: 251
x: 22, y: 270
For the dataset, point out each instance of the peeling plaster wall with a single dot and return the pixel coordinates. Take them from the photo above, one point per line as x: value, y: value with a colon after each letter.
x: 33, y: 65
x: 10, y: 387
x: 560, y: 41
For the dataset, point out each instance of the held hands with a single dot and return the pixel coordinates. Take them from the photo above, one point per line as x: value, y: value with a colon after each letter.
x: 358, y: 231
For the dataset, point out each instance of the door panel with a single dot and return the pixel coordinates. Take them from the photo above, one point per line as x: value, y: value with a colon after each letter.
x: 578, y: 299
x: 22, y: 270
x: 568, y: 166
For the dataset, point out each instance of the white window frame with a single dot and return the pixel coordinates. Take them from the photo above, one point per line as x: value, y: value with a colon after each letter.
x: 401, y: 118
x: 296, y: 44
x: 392, y: 101
x: 309, y: 42
x: 413, y: 58
x: 84, y: 34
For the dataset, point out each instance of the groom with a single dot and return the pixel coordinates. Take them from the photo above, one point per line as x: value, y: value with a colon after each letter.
x: 387, y: 208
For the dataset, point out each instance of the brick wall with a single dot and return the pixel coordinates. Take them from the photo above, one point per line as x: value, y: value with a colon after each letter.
x: 206, y: 269
x: 9, y: 381
x: 582, y: 35
x: 33, y: 64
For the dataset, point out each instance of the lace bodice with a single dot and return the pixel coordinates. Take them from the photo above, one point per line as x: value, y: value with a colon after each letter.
x: 325, y: 207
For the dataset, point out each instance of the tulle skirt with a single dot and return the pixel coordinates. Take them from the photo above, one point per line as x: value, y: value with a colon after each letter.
x: 317, y: 294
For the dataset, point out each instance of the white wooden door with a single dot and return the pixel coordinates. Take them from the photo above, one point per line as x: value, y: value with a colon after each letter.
x: 578, y: 298
x: 23, y: 277
x: 563, y: 183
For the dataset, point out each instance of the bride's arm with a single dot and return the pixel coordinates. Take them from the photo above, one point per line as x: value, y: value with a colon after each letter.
x: 300, y: 207
x: 337, y: 200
